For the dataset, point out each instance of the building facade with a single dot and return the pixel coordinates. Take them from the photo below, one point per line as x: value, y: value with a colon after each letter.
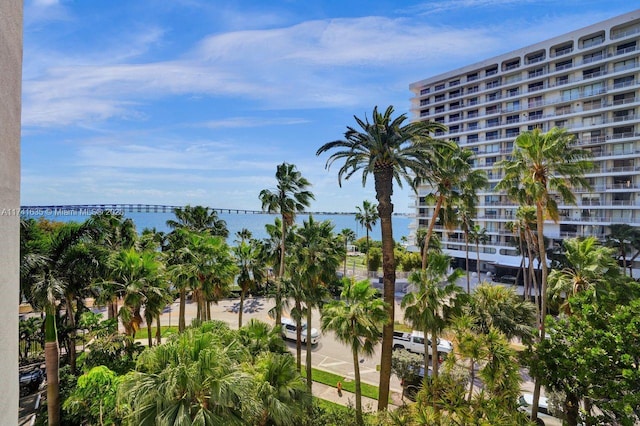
x: 587, y: 82
x: 10, y: 96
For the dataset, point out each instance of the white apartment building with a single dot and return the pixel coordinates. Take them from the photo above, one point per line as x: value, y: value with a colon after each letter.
x: 587, y: 82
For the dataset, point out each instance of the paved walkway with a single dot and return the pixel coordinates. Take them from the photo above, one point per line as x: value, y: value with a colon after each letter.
x: 330, y: 393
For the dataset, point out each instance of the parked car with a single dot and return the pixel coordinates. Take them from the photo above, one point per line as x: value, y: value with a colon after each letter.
x: 411, y: 387
x: 30, y: 381
x: 526, y: 401
x: 289, y: 331
x: 414, y: 342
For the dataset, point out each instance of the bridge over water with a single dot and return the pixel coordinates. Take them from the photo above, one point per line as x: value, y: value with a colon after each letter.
x: 89, y: 209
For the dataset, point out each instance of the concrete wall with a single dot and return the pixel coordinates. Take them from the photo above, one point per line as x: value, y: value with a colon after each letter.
x: 10, y: 95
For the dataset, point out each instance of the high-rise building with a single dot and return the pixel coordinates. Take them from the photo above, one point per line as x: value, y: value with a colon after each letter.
x: 586, y: 81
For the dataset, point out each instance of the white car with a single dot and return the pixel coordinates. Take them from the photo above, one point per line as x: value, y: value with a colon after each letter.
x: 526, y: 401
x: 289, y: 331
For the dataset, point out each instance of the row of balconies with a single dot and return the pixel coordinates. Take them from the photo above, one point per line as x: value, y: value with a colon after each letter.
x: 589, y: 60
x: 584, y: 93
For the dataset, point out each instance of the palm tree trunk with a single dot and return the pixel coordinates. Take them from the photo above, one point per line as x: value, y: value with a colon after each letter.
x: 435, y: 358
x: 478, y: 259
x: 472, y: 374
x: 432, y: 224
x: 346, y: 245
x: 181, y: 315
x: 384, y: 189
x: 367, y: 257
x: 281, y: 272
x: 71, y: 321
x: 308, y: 366
x: 298, y: 336
x: 241, y: 308
x: 543, y: 305
x: 158, y: 331
x: 356, y: 374
x: 149, y: 334
x: 52, y: 359
x: 466, y: 248
x: 425, y: 333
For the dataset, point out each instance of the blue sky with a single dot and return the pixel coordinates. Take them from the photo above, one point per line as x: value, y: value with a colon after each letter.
x: 196, y: 101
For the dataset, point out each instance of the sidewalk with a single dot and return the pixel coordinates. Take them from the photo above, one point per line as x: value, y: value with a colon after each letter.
x: 330, y: 393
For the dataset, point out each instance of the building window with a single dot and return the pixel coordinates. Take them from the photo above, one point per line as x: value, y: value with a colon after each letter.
x: 472, y: 77
x: 511, y: 65
x: 564, y: 109
x: 439, y: 98
x: 454, y: 94
x: 592, y: 41
x: 513, y: 132
x: 424, y: 91
x: 455, y: 105
x: 439, y: 86
x: 511, y: 119
x: 563, y: 65
x: 623, y: 82
x: 493, y: 96
x: 472, y: 138
x: 591, y: 57
x: 536, y: 72
x: 473, y: 89
x: 594, y: 104
x: 563, y: 50
x: 493, y: 122
x: 535, y: 101
x: 570, y: 94
x: 454, y: 129
x: 625, y: 48
x: 491, y: 71
x: 493, y: 83
x: 535, y: 115
x: 592, y: 89
x: 492, y: 109
x: 439, y: 119
x: 472, y: 113
x: 592, y: 72
x: 439, y: 109
x: 424, y: 113
x: 472, y: 125
x: 513, y: 92
x: 493, y: 135
x: 535, y: 57
x: 454, y: 83
x: 533, y: 87
x: 424, y: 102
x: 624, y: 65
x: 454, y: 117
x: 563, y: 79
x: 513, y: 106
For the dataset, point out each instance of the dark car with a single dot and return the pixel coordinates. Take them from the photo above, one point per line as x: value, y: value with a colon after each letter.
x: 30, y: 381
x: 411, y: 387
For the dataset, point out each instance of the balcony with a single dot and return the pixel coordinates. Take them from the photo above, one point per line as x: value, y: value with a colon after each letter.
x: 564, y: 51
x: 626, y: 50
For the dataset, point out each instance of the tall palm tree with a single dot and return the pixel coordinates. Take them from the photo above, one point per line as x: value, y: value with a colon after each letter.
x: 478, y: 235
x: 449, y: 171
x: 348, y: 236
x: 289, y: 197
x: 199, y: 219
x: 249, y: 262
x: 48, y: 280
x: 357, y: 320
x: 319, y: 254
x: 543, y: 166
x: 591, y: 267
x: 389, y: 150
x: 431, y: 307
x: 367, y: 217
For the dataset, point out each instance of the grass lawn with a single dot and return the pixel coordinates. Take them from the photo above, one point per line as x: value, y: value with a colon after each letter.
x: 166, y: 331
x: 331, y: 379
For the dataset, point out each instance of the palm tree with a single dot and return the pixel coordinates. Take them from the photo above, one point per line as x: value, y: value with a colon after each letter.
x: 259, y: 337
x: 431, y: 307
x: 592, y: 267
x: 390, y: 151
x: 281, y: 389
x: 367, y: 217
x: 249, y: 262
x: 501, y: 308
x: 467, y: 210
x: 48, y: 280
x: 543, y: 166
x: 478, y: 236
x: 357, y: 320
x: 199, y: 219
x: 319, y: 254
x: 290, y: 197
x: 194, y: 379
x: 449, y: 171
x: 348, y: 236
x: 624, y: 238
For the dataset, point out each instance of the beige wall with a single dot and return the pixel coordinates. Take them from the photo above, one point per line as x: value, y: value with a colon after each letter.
x: 10, y: 94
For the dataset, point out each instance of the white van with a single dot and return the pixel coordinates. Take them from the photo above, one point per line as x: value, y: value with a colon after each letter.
x: 289, y: 331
